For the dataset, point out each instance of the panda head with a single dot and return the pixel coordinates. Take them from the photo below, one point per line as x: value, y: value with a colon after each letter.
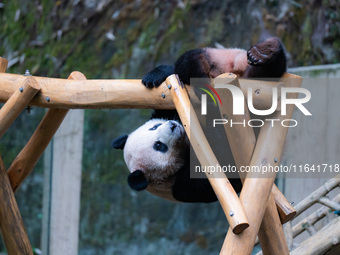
x: 154, y: 153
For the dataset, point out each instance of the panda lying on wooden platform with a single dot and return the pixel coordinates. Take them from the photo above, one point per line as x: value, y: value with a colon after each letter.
x: 157, y: 153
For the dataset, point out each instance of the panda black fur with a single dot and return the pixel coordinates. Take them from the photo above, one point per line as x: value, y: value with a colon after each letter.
x: 263, y: 60
x: 157, y: 153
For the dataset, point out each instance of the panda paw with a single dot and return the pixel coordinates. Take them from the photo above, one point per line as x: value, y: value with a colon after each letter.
x: 158, y: 75
x: 262, y: 53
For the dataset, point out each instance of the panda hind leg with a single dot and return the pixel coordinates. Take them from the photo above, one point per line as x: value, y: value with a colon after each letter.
x: 261, y: 53
x: 266, y: 59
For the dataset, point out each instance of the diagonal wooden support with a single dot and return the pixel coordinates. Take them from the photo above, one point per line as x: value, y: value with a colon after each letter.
x: 226, y: 194
x: 257, y: 186
x: 242, y: 139
x: 11, y: 224
x: 30, y: 154
x: 242, y: 143
x: 17, y: 103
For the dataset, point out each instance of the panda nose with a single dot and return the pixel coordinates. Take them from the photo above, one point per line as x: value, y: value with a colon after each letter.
x: 173, y: 125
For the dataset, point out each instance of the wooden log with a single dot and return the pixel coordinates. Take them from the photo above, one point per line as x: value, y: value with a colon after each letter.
x: 322, y: 241
x: 224, y: 191
x: 11, y: 224
x: 30, y: 154
x: 285, y: 209
x: 17, y: 103
x: 242, y: 142
x: 3, y: 64
x: 97, y: 94
x: 320, y: 192
x: 272, y: 238
x: 257, y: 186
x: 242, y: 139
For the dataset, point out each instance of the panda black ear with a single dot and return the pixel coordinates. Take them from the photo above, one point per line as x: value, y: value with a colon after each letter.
x: 119, y: 142
x: 137, y: 180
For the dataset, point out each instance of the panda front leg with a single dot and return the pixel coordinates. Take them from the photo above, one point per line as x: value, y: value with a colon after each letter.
x: 155, y: 77
x: 190, y: 190
x: 193, y: 63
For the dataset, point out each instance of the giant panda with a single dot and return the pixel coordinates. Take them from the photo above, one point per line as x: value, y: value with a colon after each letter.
x: 157, y: 153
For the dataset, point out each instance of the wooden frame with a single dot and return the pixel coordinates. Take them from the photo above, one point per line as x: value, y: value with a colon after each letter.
x: 60, y: 95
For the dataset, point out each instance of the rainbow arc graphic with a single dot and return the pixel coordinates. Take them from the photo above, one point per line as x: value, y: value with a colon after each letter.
x: 209, y: 93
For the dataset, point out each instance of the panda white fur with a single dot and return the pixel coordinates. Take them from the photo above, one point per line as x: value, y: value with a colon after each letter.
x: 157, y: 153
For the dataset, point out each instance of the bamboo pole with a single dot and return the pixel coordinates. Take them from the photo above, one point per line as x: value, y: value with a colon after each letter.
x: 257, y: 186
x: 304, y: 224
x: 101, y: 94
x: 224, y: 191
x: 17, y: 103
x: 11, y: 224
x: 3, y: 64
x: 322, y: 241
x: 317, y: 194
x: 311, y: 219
x: 30, y: 154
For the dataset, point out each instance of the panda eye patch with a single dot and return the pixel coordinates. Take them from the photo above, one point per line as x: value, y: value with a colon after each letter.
x: 155, y: 127
x: 159, y: 146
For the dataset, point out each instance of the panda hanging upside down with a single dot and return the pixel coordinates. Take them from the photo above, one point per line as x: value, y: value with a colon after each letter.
x: 157, y: 153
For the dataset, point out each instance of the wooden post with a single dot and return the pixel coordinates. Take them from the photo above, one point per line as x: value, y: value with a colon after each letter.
x: 30, y: 154
x: 11, y: 223
x: 257, y: 186
x: 222, y: 187
x: 17, y: 103
x: 66, y: 186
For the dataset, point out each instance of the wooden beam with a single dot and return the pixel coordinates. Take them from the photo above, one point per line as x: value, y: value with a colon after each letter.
x: 17, y: 103
x: 30, y: 154
x: 103, y: 94
x: 224, y: 191
x: 88, y: 94
x: 257, y: 186
x: 11, y: 224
